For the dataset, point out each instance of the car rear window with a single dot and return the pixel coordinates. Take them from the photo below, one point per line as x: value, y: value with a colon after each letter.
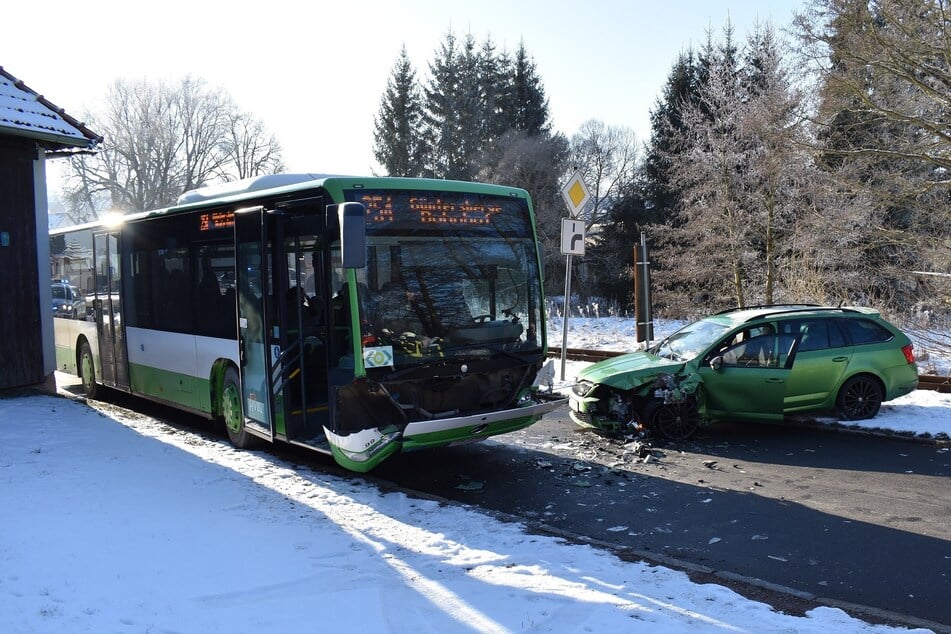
x: 863, y: 331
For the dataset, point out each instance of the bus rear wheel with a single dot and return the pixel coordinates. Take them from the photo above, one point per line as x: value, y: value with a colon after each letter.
x: 87, y: 371
x: 232, y: 412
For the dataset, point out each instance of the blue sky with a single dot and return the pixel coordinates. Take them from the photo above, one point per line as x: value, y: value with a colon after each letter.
x: 314, y: 72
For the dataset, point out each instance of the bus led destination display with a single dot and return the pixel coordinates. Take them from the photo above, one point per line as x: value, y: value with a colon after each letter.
x: 443, y: 209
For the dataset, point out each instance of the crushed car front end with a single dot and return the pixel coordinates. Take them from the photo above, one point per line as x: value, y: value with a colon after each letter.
x: 611, y: 395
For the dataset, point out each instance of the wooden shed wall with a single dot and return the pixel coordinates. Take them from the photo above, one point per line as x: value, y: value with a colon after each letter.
x: 21, y: 340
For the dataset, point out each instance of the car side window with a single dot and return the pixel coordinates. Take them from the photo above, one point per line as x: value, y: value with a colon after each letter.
x: 813, y: 334
x: 836, y: 336
x: 764, y: 351
x: 744, y: 335
x: 863, y: 331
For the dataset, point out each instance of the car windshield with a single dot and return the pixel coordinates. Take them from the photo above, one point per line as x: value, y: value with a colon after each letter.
x: 690, y: 341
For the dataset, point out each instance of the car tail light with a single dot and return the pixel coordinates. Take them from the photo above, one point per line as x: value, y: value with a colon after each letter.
x: 909, y: 351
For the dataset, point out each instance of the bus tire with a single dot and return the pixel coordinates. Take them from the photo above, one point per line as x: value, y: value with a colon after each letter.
x: 232, y: 411
x: 87, y: 370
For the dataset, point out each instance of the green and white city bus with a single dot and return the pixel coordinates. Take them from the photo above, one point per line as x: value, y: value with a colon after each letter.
x: 355, y: 316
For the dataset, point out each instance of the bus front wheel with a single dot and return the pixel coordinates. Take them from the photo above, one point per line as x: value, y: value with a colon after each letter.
x: 87, y: 370
x: 232, y: 411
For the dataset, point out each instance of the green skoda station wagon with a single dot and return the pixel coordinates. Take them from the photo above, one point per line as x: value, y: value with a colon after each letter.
x: 761, y: 363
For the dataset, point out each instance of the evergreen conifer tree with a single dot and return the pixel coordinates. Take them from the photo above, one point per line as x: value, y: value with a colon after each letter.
x: 441, y: 117
x: 495, y: 87
x: 454, y: 109
x: 397, y: 134
x: 661, y: 194
x: 528, y: 106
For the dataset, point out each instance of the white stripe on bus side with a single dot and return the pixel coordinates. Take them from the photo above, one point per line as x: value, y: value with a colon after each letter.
x: 186, y: 354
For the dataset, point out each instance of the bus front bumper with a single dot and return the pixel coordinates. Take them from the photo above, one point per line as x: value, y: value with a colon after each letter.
x: 365, y: 450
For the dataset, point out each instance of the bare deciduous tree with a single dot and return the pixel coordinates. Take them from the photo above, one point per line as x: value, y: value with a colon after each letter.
x: 161, y: 140
x: 534, y: 162
x: 887, y: 60
x: 606, y: 156
x: 250, y: 150
x: 884, y: 117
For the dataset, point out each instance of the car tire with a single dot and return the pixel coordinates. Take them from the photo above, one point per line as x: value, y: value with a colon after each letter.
x: 673, y: 421
x: 232, y: 411
x: 87, y: 371
x: 859, y: 398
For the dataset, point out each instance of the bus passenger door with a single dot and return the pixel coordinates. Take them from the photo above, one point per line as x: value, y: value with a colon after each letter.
x: 253, y: 287
x: 108, y: 311
x: 302, y: 365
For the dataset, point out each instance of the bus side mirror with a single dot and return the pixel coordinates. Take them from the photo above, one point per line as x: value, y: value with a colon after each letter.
x: 353, y: 235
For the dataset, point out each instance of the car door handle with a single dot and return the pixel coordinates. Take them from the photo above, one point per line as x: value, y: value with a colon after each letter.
x: 840, y: 359
x: 775, y: 380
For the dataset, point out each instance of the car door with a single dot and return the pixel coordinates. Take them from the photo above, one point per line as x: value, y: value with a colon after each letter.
x: 822, y: 357
x: 747, y: 380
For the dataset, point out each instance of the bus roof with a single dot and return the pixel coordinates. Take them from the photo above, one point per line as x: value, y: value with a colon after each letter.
x: 278, y: 184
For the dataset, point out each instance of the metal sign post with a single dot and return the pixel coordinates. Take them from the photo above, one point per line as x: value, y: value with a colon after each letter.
x: 576, y: 195
x: 564, y: 319
x: 642, y: 294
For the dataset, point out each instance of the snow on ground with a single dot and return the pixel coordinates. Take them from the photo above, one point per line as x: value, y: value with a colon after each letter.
x: 114, y: 522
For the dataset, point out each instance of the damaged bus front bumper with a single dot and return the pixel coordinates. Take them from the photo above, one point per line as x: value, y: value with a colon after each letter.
x: 364, y: 450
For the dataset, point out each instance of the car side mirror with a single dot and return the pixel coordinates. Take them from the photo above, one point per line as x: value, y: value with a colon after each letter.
x: 716, y: 362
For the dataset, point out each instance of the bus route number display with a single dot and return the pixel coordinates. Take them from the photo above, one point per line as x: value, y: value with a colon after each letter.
x: 442, y: 209
x: 215, y: 220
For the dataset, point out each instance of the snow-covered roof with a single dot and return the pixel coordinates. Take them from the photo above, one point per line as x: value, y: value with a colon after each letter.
x: 24, y: 112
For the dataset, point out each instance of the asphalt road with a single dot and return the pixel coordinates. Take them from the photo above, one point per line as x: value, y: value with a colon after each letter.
x: 852, y: 518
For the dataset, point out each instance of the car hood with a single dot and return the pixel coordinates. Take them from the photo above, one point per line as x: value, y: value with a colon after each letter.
x: 629, y: 370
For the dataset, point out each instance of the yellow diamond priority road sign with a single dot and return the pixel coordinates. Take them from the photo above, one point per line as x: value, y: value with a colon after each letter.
x: 575, y: 193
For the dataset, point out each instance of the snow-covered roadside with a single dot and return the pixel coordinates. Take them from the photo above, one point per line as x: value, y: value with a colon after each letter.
x: 115, y: 522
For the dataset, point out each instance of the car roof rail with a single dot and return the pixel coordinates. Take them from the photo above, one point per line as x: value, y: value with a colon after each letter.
x: 801, y: 308
x: 759, y: 306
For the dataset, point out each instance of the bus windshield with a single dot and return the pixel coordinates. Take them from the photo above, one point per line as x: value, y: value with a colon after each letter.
x: 448, y: 275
